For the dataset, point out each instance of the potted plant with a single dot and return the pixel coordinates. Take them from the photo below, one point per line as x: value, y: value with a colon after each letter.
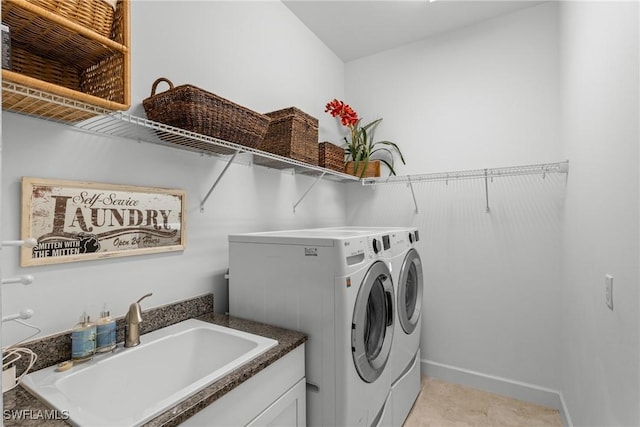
x: 363, y: 153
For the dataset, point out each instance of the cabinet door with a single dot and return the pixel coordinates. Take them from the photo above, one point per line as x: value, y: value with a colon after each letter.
x: 246, y: 403
x: 288, y: 411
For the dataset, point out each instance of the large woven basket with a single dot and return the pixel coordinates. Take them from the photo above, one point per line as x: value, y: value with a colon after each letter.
x: 292, y: 133
x: 330, y: 156
x: 96, y: 15
x: 196, y: 110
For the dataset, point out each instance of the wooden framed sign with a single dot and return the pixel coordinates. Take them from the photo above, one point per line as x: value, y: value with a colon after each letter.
x: 77, y: 221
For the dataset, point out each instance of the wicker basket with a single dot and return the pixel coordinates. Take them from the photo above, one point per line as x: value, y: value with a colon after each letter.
x: 292, y: 133
x: 331, y: 156
x: 55, y: 59
x: 44, y: 69
x: 96, y: 15
x: 193, y: 109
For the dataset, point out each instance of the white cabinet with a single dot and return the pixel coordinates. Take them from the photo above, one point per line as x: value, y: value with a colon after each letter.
x: 276, y: 396
x: 288, y: 410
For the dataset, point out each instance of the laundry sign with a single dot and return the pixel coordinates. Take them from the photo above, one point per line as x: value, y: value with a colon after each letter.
x: 76, y: 221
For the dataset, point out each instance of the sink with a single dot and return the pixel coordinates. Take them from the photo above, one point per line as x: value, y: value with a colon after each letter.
x: 133, y: 385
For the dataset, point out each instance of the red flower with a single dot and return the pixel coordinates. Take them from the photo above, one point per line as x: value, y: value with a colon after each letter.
x: 362, y: 145
x: 348, y: 117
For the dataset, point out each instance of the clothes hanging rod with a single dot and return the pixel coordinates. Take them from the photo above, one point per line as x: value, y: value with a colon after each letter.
x: 537, y: 169
x: 29, y: 242
x: 27, y: 279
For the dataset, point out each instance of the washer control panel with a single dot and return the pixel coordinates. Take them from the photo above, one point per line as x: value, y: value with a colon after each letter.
x: 379, y: 244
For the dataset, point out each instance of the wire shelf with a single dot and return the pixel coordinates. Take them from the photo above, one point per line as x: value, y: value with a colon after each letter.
x: 537, y: 169
x: 486, y: 174
x: 25, y: 100
x: 32, y: 102
x: 97, y: 120
x: 127, y: 126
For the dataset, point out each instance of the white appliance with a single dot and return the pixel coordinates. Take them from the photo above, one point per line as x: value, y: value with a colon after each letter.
x: 405, y: 357
x: 332, y: 285
x: 400, y: 252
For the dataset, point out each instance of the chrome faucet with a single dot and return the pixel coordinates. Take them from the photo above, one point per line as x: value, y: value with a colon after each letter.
x: 132, y: 324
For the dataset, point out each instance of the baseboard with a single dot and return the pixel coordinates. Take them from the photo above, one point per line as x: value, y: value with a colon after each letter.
x: 503, y: 386
x: 564, y: 413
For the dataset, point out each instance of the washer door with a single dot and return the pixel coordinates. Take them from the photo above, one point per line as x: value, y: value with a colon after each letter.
x: 410, y: 291
x: 372, y: 326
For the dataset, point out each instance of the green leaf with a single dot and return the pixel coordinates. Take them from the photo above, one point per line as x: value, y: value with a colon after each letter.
x: 391, y: 170
x: 363, y: 145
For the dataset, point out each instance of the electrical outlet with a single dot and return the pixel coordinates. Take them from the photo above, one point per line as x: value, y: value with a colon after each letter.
x: 608, y: 280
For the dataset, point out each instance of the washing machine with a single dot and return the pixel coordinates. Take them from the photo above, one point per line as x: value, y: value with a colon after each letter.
x: 404, y: 261
x: 333, y: 286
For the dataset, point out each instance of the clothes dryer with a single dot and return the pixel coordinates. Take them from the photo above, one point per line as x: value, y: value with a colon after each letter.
x: 400, y: 252
x: 405, y: 358
x: 333, y: 286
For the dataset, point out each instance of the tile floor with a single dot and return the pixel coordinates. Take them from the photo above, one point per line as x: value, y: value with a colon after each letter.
x: 442, y: 404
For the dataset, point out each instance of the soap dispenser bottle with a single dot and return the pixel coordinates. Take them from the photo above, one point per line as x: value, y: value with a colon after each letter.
x: 83, y: 340
x: 105, y: 332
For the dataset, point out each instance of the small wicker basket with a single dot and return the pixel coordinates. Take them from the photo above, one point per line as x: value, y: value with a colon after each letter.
x: 196, y: 110
x: 330, y: 156
x: 292, y: 133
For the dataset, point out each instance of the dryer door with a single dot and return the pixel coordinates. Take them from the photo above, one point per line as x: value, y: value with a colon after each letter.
x: 372, y: 326
x: 410, y: 291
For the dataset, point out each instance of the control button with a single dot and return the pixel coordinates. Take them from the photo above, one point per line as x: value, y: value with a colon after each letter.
x: 376, y: 245
x: 386, y: 243
x: 410, y: 237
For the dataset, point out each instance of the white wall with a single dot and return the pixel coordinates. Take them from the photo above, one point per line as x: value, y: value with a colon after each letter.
x: 256, y: 54
x: 517, y: 293
x: 485, y: 95
x: 491, y: 293
x: 600, y: 349
x: 482, y: 96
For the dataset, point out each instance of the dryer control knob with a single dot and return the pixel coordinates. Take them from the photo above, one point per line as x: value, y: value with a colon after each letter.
x: 410, y: 237
x: 376, y: 245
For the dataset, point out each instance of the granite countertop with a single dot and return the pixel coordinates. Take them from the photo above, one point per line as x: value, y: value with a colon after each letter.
x: 23, y: 409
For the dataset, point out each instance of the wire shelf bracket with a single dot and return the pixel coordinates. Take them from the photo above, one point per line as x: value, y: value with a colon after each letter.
x: 307, y: 191
x: 413, y: 194
x: 224, y: 170
x: 486, y: 189
x: 486, y: 174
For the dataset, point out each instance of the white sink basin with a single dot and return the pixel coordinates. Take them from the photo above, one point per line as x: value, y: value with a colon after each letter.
x: 136, y: 384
